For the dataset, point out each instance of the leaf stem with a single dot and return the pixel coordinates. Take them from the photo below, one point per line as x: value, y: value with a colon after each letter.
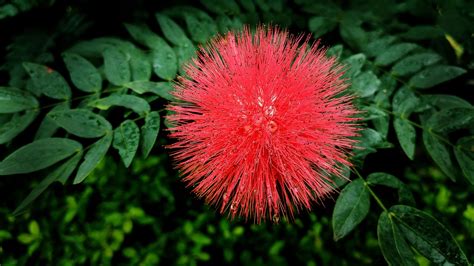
x: 377, y: 199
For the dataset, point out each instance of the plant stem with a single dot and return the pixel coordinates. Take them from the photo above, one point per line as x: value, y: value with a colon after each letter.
x: 377, y: 199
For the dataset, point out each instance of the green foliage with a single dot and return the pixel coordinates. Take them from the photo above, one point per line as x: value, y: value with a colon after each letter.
x: 68, y: 100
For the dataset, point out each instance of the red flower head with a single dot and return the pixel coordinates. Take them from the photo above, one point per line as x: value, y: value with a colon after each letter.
x: 261, y: 124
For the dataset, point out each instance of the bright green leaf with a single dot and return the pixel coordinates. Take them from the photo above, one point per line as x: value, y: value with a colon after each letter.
x: 365, y: 84
x: 435, y: 75
x: 161, y: 89
x: 200, y: 25
x: 13, y: 100
x: 352, y: 206
x: 354, y: 64
x: 81, y: 122
x: 38, y: 155
x: 84, y: 75
x: 172, y: 31
x: 93, y: 157
x: 126, y: 140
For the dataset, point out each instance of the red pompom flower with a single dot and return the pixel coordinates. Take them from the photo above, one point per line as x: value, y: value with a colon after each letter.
x: 261, y: 122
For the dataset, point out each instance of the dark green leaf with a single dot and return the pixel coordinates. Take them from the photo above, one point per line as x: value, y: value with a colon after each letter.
x: 365, y: 84
x: 449, y: 120
x: 60, y: 174
x: 221, y: 7
x: 145, y: 36
x: 184, y: 54
x: 38, y: 155
x: 321, y: 25
x: 423, y: 33
x: 17, y: 124
x: 140, y: 65
x: 443, y: 101
x: 428, y: 236
x: 464, y: 152
x: 352, y: 206
x: 13, y: 100
x: 354, y: 64
x: 225, y: 24
x: 161, y: 89
x: 394, y: 53
x: 351, y: 31
x: 406, y: 135
x: 413, y: 63
x: 405, y: 102
x: 369, y: 141
x: 200, y: 26
x: 172, y: 31
x: 335, y: 51
x: 150, y: 132
x: 404, y: 194
x: 84, y: 75
x: 165, y: 62
x: 395, y: 249
x: 48, y: 126
x: 435, y: 75
x: 440, y: 153
x: 137, y: 104
x: 126, y: 139
x: 116, y: 66
x: 48, y: 81
x: 81, y: 122
x: 93, y: 157
x: 379, y: 45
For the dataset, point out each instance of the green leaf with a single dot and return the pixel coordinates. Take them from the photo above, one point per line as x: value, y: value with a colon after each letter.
x: 172, y: 31
x: 352, y: 206
x: 351, y: 31
x: 137, y: 104
x: 17, y: 124
x: 84, y: 75
x: 369, y: 141
x: 378, y: 46
x: 221, y: 7
x: 200, y: 25
x: 150, y: 132
x: 116, y: 66
x: 93, y: 157
x: 406, y: 135
x: 38, y: 155
x: 321, y: 25
x: 435, y: 75
x: 414, y: 63
x: 450, y: 120
x: 184, y: 54
x: 404, y: 194
x: 163, y: 57
x: 365, y: 84
x: 48, y: 126
x: 444, y: 101
x: 13, y: 100
x: 81, y: 122
x: 48, y: 81
x: 440, y: 153
x: 422, y: 32
x: 161, y: 89
x: 394, y: 53
x: 126, y: 139
x: 225, y: 24
x: 335, y: 51
x: 140, y: 65
x: 395, y: 249
x: 464, y: 152
x: 60, y: 174
x: 404, y: 102
x: 354, y: 64
x: 428, y: 236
